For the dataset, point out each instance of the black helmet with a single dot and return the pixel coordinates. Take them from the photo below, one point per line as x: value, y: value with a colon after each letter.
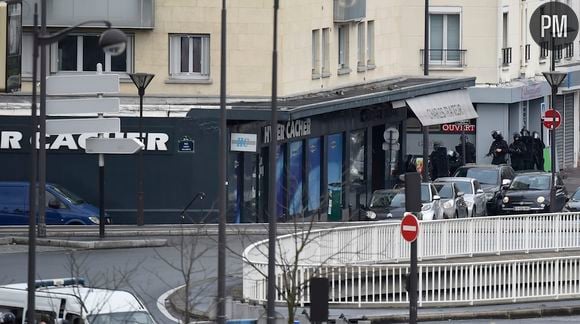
x: 525, y: 131
x: 7, y: 318
x: 516, y: 136
x: 535, y: 135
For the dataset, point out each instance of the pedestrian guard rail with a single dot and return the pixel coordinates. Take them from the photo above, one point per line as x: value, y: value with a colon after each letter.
x: 365, y: 266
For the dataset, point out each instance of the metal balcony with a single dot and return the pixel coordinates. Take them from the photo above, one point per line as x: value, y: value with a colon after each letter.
x: 454, y: 58
x: 506, y: 54
x: 136, y: 14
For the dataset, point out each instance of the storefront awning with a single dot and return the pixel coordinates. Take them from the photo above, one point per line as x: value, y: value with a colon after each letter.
x: 443, y: 107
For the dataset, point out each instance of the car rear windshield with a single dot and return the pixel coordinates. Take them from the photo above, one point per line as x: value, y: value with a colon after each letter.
x: 531, y: 182
x: 484, y: 176
x: 388, y: 199
x: 444, y: 189
x: 465, y: 187
x: 425, y: 194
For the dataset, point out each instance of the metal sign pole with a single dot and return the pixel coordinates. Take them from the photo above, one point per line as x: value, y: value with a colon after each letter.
x: 413, y: 284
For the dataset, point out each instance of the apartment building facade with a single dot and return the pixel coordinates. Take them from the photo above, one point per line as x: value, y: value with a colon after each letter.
x: 492, y: 41
x: 345, y: 76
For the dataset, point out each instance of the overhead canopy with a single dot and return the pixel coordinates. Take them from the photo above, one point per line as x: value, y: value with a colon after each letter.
x: 443, y: 107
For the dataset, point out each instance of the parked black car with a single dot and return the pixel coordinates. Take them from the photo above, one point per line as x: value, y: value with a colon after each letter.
x: 490, y: 178
x: 386, y: 204
x: 529, y: 192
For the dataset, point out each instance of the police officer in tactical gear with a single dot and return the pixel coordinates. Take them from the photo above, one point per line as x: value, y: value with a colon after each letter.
x: 439, y: 165
x: 518, y: 151
x: 538, y: 151
x: 498, y: 148
x: 469, y: 150
x: 528, y: 158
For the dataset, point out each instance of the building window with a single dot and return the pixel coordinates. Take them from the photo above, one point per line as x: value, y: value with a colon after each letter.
x: 316, y: 53
x: 82, y: 53
x: 280, y: 183
x: 361, y: 60
x: 189, y: 56
x: 295, y: 171
x: 444, y: 40
x: 343, y: 49
x: 325, y: 52
x: 314, y: 157
x: 335, y: 176
x: 371, y: 44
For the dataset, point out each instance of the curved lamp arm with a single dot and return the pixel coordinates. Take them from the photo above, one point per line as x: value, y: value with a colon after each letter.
x: 51, y: 38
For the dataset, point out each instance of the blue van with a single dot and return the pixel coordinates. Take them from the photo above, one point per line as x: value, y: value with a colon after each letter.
x: 62, y: 206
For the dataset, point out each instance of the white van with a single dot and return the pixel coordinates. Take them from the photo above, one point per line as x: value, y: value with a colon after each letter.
x: 69, y: 301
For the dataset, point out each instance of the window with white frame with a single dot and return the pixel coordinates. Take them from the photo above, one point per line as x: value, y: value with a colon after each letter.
x: 325, y: 52
x: 343, y: 44
x: 82, y: 53
x: 78, y: 53
x: 316, y: 53
x: 189, y: 56
x: 361, y: 60
x: 445, y: 37
x: 370, y: 43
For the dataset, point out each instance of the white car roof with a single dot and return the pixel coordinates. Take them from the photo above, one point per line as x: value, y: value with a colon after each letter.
x: 96, y: 300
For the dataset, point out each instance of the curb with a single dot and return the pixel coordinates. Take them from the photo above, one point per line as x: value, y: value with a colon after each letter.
x: 88, y: 244
x: 492, y: 314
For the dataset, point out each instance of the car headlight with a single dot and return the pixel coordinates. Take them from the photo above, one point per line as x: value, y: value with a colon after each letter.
x: 541, y: 199
x: 448, y: 204
x: 426, y: 207
x: 506, y: 200
x: 371, y: 214
x: 94, y: 219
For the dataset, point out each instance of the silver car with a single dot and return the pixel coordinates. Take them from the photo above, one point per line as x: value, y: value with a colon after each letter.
x: 472, y: 193
x: 431, y: 203
x: 452, y: 200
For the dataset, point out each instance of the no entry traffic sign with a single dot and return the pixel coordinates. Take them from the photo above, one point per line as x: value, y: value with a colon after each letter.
x: 409, y: 227
x: 552, y: 119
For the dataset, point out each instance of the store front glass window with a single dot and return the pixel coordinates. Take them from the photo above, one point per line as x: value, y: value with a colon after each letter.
x: 357, y: 165
x: 314, y: 174
x: 335, y: 161
x: 295, y: 178
x: 280, y: 183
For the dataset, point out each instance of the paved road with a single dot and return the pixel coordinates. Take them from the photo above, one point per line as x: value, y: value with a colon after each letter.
x: 149, y: 272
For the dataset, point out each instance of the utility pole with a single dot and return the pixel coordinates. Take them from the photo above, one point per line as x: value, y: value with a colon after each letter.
x: 271, y: 305
x: 425, y: 171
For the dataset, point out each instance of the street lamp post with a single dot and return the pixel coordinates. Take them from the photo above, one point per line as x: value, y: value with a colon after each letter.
x: 112, y: 41
x: 554, y: 80
x: 141, y: 81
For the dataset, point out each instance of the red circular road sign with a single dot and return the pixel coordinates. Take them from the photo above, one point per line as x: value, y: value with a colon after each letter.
x: 409, y: 227
x: 552, y: 119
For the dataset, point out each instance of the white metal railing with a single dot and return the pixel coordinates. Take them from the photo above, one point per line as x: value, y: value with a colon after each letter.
x: 342, y: 251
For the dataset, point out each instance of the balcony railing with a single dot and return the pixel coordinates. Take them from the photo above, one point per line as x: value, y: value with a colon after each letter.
x: 544, y: 50
x: 569, y: 50
x: 528, y: 53
x: 445, y: 57
x: 506, y: 54
x: 558, y: 53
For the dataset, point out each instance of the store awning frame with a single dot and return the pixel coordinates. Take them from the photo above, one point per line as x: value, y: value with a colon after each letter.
x: 443, y: 107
